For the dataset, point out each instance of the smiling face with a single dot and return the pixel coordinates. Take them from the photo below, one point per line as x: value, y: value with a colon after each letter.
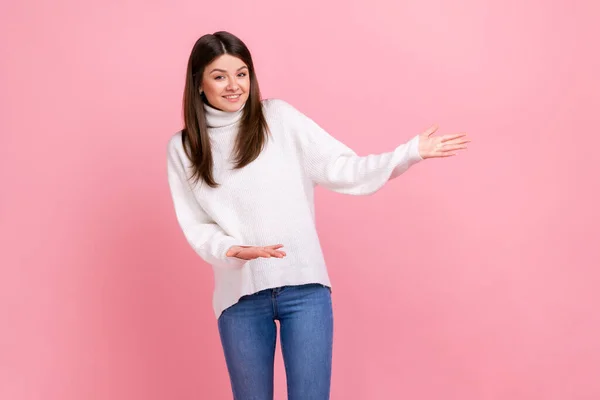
x: 226, y: 83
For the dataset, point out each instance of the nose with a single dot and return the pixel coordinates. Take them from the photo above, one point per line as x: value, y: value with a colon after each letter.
x: 233, y: 85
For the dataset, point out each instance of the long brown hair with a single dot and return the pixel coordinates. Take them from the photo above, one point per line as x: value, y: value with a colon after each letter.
x: 253, y: 126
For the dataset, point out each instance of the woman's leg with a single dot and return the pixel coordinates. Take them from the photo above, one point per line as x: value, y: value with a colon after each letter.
x: 248, y: 335
x: 306, y: 320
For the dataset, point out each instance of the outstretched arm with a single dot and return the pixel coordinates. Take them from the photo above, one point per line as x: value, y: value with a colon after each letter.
x: 330, y: 163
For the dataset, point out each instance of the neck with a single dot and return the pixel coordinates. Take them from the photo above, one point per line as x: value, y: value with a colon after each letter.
x: 216, y: 118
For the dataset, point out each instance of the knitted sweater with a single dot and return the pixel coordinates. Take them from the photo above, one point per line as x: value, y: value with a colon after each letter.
x: 270, y: 201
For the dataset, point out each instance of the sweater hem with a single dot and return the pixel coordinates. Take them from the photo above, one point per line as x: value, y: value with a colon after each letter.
x: 265, y: 278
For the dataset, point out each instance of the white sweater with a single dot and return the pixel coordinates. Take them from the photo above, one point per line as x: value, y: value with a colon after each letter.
x: 270, y: 201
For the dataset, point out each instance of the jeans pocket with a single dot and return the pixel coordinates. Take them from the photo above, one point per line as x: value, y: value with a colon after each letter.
x: 320, y: 285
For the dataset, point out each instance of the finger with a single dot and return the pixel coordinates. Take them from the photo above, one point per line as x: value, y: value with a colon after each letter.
x: 431, y: 130
x: 460, y: 140
x: 446, y: 138
x: 457, y: 142
x: 274, y: 247
x: 447, y: 148
x: 231, y: 253
x: 263, y: 253
x: 275, y: 253
x: 444, y: 155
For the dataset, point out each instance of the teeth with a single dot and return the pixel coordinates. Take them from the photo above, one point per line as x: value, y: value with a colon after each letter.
x: 233, y: 97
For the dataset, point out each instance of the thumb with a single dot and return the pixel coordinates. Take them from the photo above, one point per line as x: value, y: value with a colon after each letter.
x: 233, y: 250
x: 431, y: 130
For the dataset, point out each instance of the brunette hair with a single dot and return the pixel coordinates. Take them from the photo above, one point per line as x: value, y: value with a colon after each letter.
x: 253, y: 126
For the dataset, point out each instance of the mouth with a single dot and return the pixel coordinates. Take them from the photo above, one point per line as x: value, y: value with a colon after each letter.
x: 233, y: 97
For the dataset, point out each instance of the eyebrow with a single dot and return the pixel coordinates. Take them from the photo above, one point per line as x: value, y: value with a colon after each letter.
x: 222, y: 70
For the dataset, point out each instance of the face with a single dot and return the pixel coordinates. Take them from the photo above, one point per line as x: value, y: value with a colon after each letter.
x: 226, y: 83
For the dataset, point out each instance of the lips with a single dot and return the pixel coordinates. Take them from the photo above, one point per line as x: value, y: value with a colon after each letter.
x: 234, y: 96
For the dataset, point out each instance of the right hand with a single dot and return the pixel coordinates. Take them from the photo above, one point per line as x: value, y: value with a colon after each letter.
x: 252, y: 252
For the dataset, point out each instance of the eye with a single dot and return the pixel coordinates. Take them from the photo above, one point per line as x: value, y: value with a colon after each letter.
x: 219, y: 77
x: 242, y: 74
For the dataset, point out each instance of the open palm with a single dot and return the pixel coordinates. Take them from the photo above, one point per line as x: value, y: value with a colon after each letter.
x: 252, y: 252
x: 441, y: 146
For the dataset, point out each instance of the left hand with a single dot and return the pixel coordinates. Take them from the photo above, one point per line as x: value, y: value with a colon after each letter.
x: 441, y: 146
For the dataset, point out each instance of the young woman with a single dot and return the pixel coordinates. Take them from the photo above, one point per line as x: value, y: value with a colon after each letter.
x: 242, y: 173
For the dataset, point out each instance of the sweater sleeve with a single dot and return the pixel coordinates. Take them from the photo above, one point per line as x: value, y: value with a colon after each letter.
x: 204, y: 235
x: 331, y: 164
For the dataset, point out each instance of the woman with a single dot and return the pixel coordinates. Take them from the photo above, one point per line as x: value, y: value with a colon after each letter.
x: 242, y: 173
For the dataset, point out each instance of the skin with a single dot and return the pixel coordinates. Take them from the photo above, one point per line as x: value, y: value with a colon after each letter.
x: 441, y: 146
x: 228, y: 75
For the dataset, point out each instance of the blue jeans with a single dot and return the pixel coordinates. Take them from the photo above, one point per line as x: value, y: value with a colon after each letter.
x: 248, y: 335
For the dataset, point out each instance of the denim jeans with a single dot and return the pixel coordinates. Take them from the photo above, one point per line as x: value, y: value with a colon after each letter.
x: 248, y: 335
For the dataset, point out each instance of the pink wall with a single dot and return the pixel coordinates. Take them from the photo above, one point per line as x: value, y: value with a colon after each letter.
x: 470, y: 278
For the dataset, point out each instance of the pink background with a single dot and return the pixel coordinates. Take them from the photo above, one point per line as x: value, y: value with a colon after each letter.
x: 468, y: 278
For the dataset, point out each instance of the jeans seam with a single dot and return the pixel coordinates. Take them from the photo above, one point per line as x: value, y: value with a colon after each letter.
x: 274, y: 303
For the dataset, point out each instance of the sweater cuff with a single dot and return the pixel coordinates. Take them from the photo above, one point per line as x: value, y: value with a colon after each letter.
x: 232, y: 262
x: 406, y: 156
x: 413, y: 150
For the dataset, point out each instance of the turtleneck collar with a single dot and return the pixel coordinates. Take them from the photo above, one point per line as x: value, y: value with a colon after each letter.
x: 219, y: 119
